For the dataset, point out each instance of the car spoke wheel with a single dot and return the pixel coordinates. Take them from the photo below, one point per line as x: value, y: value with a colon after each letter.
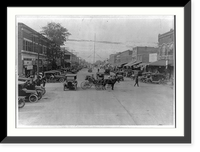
x: 21, y: 103
x: 33, y: 98
x: 39, y: 93
x: 43, y: 91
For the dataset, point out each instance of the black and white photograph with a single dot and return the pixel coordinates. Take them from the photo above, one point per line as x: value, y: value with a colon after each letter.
x: 95, y: 71
x: 98, y: 75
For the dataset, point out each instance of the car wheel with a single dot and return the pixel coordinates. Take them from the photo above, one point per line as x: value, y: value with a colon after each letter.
x: 39, y: 94
x: 44, y: 91
x: 33, y: 98
x: 21, y: 103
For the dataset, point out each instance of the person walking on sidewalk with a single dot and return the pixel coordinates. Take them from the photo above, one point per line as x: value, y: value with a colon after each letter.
x: 136, y: 81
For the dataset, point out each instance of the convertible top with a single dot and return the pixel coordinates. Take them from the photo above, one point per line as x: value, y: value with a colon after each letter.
x: 22, y: 79
x: 21, y: 82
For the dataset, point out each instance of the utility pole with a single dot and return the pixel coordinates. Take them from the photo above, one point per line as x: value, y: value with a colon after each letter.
x: 38, y: 57
x: 94, y: 48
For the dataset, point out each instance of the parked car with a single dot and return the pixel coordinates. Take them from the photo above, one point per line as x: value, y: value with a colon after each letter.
x: 90, y: 70
x: 54, y: 76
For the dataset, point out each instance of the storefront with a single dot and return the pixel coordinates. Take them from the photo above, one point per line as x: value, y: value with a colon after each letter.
x: 162, y: 66
x: 27, y: 66
x: 35, y: 64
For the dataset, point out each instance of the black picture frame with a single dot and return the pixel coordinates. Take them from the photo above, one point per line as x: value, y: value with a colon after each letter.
x: 125, y: 139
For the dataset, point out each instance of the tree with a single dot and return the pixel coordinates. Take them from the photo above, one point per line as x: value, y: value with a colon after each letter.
x: 56, y: 33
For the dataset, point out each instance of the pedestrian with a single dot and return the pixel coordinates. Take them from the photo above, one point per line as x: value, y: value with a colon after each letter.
x: 136, y: 81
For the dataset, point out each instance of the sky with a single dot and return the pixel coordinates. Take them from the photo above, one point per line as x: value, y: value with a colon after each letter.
x: 130, y: 31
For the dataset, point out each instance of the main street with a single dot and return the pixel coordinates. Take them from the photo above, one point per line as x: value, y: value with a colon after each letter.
x: 148, y: 104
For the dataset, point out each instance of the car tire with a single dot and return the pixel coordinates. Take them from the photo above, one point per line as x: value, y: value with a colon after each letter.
x: 33, y: 98
x: 21, y: 103
x: 39, y: 94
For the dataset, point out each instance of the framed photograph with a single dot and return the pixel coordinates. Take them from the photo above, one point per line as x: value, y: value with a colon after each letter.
x: 98, y: 74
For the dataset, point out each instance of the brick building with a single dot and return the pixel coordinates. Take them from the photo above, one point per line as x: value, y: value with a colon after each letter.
x: 30, y: 43
x: 166, y: 45
x: 143, y: 52
x: 120, y: 58
x: 165, y: 63
x: 69, y: 58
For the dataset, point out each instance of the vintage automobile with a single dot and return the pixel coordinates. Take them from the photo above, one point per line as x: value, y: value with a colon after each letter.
x: 21, y: 102
x: 70, y: 82
x: 158, y: 78
x: 29, y: 94
x: 155, y: 78
x: 90, y: 70
x: 145, y: 77
x: 37, y: 88
x: 54, y: 76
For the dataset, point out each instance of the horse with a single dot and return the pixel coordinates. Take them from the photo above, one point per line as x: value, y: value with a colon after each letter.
x: 110, y: 81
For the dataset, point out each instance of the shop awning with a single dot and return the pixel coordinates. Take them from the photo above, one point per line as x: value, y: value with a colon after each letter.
x: 161, y: 63
x: 121, y: 64
x: 133, y: 63
x: 128, y: 64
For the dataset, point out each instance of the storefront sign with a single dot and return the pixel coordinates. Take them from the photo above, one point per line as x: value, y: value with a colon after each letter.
x: 153, y: 57
x: 27, y: 62
x: 29, y: 67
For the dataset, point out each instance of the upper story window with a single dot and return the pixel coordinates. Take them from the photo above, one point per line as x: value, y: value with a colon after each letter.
x: 27, y: 46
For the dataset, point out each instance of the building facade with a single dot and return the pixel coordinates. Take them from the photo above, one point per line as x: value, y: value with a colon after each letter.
x: 143, y: 53
x: 70, y: 59
x: 111, y: 59
x: 167, y: 52
x: 166, y: 45
x: 120, y: 58
x: 31, y: 47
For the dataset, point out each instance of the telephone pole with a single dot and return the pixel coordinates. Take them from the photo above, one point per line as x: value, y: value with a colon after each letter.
x: 94, y: 48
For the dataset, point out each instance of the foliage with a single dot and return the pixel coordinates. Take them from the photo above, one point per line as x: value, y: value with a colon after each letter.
x: 56, y: 33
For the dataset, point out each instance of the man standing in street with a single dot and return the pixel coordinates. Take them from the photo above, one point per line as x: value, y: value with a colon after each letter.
x: 136, y: 81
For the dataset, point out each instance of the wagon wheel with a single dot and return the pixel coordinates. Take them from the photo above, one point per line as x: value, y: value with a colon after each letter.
x: 84, y: 85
